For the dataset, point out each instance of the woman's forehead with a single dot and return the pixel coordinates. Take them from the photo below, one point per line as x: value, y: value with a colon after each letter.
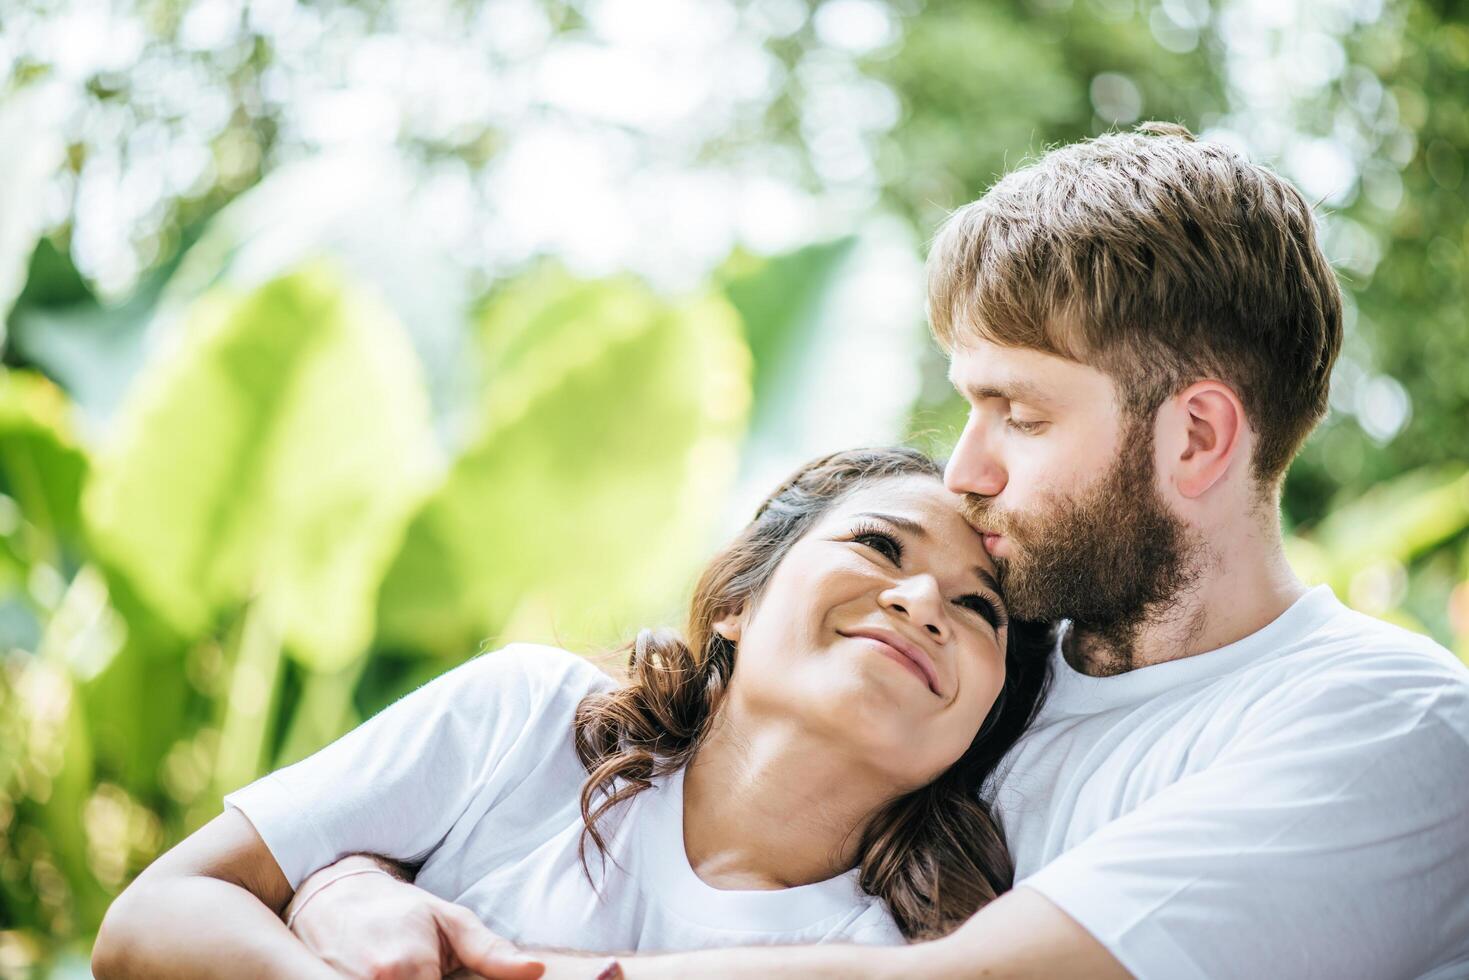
x: 924, y: 495
x: 922, y: 500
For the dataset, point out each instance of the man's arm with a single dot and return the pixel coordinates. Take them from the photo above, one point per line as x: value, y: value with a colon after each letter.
x: 209, y: 908
x: 1020, y: 935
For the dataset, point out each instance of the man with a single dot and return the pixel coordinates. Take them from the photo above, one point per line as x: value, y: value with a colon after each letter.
x: 1234, y: 776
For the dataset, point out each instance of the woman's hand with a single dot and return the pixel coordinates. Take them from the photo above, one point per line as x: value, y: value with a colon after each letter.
x: 374, y: 927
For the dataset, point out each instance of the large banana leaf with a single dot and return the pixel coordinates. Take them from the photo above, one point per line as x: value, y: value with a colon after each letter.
x: 276, y: 453
x: 609, y: 437
x: 369, y: 212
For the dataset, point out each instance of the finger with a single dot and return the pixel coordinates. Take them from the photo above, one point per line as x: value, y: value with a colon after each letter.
x: 480, y: 950
x: 387, y: 965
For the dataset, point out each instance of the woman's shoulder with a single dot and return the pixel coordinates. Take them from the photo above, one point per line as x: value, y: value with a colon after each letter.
x: 537, y: 671
x: 519, y: 694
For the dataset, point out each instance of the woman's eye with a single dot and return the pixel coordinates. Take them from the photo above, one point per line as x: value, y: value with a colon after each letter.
x: 983, y: 606
x: 884, y: 544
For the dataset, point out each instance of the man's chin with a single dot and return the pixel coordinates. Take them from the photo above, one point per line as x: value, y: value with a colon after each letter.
x: 1025, y: 598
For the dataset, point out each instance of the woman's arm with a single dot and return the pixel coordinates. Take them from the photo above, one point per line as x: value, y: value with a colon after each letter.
x: 207, y: 908
x: 210, y: 907
x: 390, y: 927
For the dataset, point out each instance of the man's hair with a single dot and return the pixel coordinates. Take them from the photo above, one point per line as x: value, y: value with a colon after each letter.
x: 1160, y: 260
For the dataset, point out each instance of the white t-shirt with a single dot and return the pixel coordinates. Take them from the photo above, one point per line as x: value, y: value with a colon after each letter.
x: 1294, y: 805
x: 475, y: 774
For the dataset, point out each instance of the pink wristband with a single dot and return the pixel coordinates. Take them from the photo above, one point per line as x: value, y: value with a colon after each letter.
x: 321, y: 888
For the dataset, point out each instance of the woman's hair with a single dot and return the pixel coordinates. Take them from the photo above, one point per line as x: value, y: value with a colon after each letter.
x: 936, y: 854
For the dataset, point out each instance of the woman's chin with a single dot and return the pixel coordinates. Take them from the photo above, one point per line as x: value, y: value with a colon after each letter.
x: 864, y: 708
x: 876, y: 707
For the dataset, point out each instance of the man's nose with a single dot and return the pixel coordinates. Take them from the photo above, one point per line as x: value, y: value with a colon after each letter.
x: 973, y: 467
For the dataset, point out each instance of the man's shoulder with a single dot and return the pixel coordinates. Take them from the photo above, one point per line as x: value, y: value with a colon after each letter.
x: 1356, y: 669
x: 1353, y: 646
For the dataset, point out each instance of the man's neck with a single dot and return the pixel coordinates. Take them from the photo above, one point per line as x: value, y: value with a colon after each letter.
x: 1235, y: 592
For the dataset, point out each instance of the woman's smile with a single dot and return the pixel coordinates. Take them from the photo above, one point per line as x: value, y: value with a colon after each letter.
x: 907, y: 654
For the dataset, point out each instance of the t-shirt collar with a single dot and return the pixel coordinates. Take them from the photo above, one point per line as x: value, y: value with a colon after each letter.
x: 1073, y: 692
x: 672, y: 881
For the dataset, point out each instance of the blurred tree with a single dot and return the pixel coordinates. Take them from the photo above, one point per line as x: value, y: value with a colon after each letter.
x: 985, y: 86
x: 1411, y: 331
x: 190, y: 593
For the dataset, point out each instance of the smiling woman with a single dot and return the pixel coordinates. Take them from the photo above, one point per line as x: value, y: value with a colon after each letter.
x: 803, y: 765
x: 857, y: 578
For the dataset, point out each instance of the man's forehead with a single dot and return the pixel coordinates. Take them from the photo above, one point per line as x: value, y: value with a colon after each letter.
x: 999, y: 372
x: 984, y: 370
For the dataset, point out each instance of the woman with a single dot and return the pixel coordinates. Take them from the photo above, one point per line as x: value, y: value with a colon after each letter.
x: 803, y: 767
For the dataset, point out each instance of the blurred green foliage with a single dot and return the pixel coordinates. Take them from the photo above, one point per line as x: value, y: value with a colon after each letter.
x: 265, y: 465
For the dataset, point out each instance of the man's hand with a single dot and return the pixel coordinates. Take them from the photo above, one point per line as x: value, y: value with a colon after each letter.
x: 375, y: 927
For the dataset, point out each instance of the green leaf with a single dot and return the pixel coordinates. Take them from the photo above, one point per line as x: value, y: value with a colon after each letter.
x: 365, y: 211
x: 49, y: 774
x: 91, y: 349
x: 608, y: 440
x: 41, y: 466
x: 276, y: 451
x: 780, y: 302
x: 1396, y: 521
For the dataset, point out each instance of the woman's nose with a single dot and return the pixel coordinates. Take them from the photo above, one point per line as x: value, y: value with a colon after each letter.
x: 918, y: 599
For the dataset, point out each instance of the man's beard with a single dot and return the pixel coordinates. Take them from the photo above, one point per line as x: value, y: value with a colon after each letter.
x: 1109, y: 559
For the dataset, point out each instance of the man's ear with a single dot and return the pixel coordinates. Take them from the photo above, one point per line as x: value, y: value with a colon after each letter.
x: 731, y: 625
x: 1213, y: 425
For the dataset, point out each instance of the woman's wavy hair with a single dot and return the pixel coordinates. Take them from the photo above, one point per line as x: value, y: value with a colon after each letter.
x: 936, y: 854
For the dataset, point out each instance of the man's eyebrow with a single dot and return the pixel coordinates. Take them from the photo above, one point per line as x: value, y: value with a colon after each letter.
x: 1011, y: 391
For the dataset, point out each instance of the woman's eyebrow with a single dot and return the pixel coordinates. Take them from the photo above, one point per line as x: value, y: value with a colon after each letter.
x: 987, y: 579
x: 916, y: 529
x: 901, y: 523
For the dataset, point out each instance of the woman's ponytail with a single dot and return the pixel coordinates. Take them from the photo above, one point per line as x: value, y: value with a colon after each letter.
x: 650, y: 727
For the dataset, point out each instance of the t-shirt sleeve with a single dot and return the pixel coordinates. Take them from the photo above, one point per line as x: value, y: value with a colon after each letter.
x: 397, y: 784
x: 875, y: 927
x: 1328, y: 840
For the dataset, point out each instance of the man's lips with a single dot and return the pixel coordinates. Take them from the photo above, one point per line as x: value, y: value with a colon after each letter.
x: 994, y: 542
x: 984, y: 525
x: 905, y: 652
